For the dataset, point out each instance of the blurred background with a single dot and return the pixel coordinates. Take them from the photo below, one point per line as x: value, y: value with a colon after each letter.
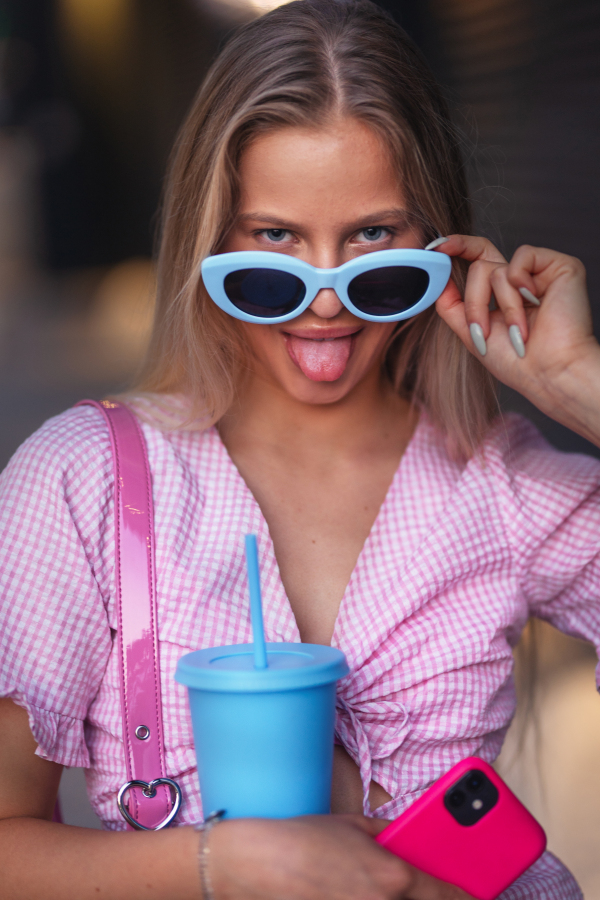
x: 91, y: 95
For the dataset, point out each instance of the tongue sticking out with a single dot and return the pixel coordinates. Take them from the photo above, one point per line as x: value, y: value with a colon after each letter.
x: 320, y: 360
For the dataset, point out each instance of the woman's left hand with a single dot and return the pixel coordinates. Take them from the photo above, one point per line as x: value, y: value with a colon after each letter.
x: 548, y: 352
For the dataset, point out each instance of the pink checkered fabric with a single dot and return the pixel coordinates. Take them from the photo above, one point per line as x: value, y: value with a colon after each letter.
x: 458, y: 558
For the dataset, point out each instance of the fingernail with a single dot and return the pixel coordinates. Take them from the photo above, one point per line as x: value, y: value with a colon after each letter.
x: 478, y: 338
x: 527, y: 295
x: 516, y: 339
x: 437, y: 243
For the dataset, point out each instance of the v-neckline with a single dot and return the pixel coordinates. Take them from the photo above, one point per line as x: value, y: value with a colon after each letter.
x: 350, y: 589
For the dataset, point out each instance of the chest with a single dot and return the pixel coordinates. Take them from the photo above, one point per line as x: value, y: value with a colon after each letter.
x: 318, y: 520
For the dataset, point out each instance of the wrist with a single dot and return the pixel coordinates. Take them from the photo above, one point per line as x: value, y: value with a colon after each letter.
x: 204, y: 853
x: 572, y: 396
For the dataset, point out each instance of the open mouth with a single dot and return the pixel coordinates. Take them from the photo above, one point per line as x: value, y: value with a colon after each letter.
x: 321, y: 358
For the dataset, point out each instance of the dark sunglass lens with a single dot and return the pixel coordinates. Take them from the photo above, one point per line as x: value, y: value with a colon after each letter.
x: 388, y: 290
x: 267, y: 293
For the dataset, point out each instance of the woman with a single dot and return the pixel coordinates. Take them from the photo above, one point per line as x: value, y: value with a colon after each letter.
x: 397, y: 517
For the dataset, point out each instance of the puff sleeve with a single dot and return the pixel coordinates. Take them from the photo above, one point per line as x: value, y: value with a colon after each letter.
x: 56, y: 531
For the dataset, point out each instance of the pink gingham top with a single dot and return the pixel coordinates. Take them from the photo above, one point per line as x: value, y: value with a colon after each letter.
x: 457, y: 559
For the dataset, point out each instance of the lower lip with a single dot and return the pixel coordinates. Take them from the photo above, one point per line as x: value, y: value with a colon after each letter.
x: 321, y: 360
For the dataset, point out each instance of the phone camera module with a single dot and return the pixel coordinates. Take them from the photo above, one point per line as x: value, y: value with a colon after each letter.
x: 471, y: 798
x: 456, y: 798
x: 475, y: 782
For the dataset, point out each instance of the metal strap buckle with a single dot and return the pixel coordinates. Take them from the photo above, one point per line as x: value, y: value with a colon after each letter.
x: 149, y: 790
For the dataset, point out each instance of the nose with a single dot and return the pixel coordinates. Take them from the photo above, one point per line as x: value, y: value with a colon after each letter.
x: 326, y: 304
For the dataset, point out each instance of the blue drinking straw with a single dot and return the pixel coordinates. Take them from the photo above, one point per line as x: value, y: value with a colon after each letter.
x: 256, y: 613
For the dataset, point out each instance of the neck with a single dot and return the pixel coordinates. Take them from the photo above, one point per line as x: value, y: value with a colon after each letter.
x: 367, y: 419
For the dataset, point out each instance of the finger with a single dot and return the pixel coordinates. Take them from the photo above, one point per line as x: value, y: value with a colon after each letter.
x: 478, y: 293
x: 451, y: 309
x: 526, y: 294
x: 371, y: 826
x: 426, y: 887
x: 510, y: 303
x: 375, y: 826
x: 535, y: 268
x: 471, y: 247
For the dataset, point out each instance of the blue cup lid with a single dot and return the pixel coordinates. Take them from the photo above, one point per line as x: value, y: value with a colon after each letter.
x: 291, y: 666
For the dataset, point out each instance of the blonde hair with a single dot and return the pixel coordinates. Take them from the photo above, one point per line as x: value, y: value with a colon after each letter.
x: 301, y: 65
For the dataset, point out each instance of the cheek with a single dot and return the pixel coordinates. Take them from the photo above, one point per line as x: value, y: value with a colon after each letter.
x: 262, y: 340
x: 378, y: 336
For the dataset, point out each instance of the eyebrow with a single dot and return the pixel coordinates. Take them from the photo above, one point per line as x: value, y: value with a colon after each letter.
x: 400, y: 216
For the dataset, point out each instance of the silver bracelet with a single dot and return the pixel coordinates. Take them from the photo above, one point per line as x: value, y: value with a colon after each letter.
x: 204, y: 851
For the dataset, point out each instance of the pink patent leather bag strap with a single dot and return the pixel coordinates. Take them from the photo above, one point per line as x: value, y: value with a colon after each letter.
x: 147, y: 806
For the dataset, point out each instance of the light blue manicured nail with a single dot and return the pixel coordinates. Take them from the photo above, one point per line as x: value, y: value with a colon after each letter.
x: 437, y: 243
x: 478, y: 338
x: 527, y: 295
x: 516, y: 339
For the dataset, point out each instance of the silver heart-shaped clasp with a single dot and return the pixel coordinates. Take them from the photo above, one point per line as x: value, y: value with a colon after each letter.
x: 149, y: 790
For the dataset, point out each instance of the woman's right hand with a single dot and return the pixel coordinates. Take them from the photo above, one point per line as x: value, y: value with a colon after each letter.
x: 313, y: 858
x: 557, y: 365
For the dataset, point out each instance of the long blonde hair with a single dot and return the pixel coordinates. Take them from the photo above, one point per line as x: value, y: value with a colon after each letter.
x: 301, y: 65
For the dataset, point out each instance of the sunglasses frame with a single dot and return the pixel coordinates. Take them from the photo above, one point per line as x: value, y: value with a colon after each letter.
x: 216, y: 268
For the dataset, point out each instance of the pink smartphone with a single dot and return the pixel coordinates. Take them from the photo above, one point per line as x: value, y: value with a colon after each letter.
x: 468, y: 829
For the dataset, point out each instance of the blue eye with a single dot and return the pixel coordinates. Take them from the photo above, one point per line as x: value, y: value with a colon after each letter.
x: 275, y: 234
x: 375, y: 233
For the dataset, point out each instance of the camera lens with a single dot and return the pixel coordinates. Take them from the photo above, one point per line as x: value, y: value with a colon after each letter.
x: 456, y: 798
x: 474, y: 782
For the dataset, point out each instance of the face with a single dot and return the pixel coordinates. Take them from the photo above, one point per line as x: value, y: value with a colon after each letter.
x: 324, y: 196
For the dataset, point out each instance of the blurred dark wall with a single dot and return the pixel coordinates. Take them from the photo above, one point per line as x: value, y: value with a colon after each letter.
x: 103, y: 94
x: 524, y: 79
x: 102, y: 99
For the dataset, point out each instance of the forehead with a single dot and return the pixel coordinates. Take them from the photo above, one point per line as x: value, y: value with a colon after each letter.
x: 341, y: 170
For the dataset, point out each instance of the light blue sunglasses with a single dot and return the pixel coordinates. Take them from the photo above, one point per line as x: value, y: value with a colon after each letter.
x: 383, y: 286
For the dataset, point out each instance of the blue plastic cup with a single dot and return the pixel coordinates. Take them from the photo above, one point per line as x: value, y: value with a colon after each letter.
x: 264, y: 737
